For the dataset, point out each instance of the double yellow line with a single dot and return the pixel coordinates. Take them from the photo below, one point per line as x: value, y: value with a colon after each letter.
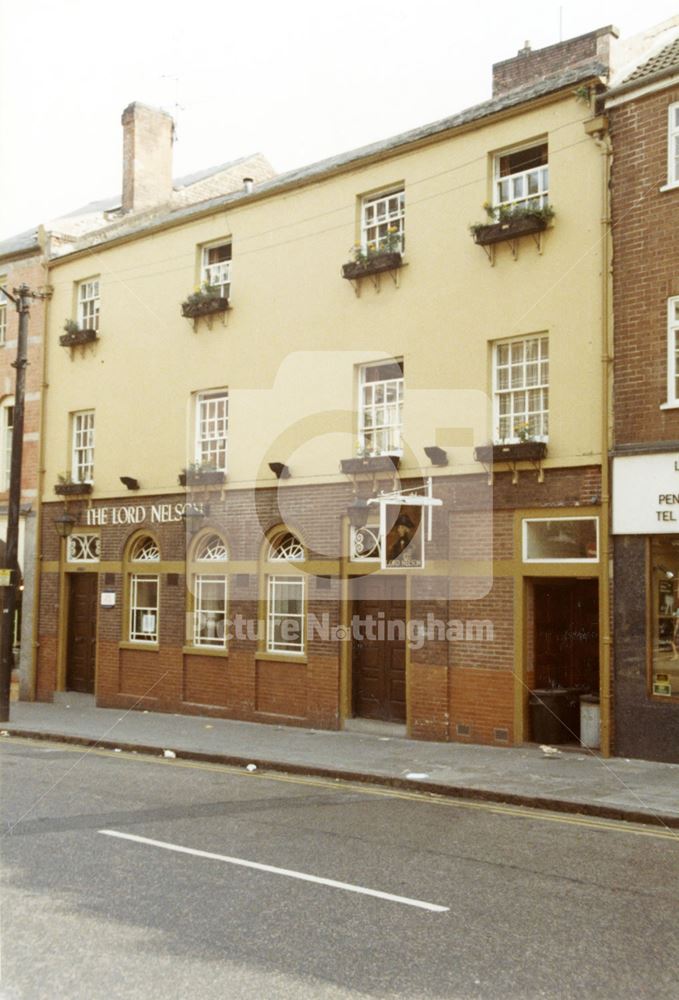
x: 345, y: 787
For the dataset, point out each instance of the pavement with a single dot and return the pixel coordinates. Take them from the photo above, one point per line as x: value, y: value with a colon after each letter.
x: 578, y: 781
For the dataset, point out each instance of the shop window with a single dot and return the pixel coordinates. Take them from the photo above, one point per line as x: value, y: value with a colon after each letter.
x: 6, y: 430
x: 381, y: 408
x: 383, y: 222
x: 143, y: 590
x: 673, y: 351
x: 521, y: 390
x: 664, y: 680
x: 673, y: 144
x: 209, y: 592
x: 215, y: 269
x: 560, y: 539
x: 82, y: 457
x: 212, y: 424
x: 88, y: 304
x: 521, y: 178
x: 285, y: 598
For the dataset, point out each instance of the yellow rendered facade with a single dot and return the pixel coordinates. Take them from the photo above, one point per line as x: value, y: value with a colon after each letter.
x: 291, y: 342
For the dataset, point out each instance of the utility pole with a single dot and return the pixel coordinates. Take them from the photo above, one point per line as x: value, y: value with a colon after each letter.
x: 21, y: 300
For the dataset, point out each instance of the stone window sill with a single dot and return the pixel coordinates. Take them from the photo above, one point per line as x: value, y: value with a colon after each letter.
x: 205, y: 651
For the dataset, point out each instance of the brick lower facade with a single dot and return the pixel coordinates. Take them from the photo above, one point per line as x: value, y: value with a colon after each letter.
x: 462, y: 677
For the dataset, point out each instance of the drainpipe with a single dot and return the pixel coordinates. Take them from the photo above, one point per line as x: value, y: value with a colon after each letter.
x: 40, y: 484
x: 602, y: 140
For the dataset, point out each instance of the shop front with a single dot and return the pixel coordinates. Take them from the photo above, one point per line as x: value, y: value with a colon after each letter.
x: 646, y: 605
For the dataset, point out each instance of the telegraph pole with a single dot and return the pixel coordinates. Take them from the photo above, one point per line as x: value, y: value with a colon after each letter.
x: 21, y: 299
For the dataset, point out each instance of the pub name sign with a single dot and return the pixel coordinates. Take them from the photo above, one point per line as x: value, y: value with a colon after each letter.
x: 159, y: 513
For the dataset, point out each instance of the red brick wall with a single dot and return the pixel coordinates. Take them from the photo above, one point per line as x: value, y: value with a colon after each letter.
x: 528, y: 67
x: 646, y: 250
x: 459, y: 688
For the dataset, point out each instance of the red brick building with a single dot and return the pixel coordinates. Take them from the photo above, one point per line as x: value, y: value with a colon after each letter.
x: 643, y: 113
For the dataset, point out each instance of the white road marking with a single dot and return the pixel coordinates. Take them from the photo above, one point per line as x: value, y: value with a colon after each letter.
x: 302, y: 876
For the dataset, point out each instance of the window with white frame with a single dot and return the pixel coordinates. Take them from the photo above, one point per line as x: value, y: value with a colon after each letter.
x: 285, y: 614
x: 82, y: 467
x: 143, y: 608
x: 215, y: 269
x: 212, y: 424
x: 143, y: 592
x: 6, y: 429
x: 381, y: 408
x: 88, y: 304
x: 673, y: 144
x: 3, y: 315
x: 209, y: 593
x: 383, y: 222
x: 521, y: 389
x: 285, y: 597
x: 521, y: 178
x: 673, y: 351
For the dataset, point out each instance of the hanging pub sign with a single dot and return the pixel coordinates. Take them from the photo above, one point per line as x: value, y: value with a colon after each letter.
x: 403, y: 528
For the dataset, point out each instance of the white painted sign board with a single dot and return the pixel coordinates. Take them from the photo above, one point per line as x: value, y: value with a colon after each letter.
x: 646, y: 494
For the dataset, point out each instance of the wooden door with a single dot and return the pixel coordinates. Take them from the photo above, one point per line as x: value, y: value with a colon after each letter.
x: 567, y: 634
x: 379, y: 662
x: 82, y: 632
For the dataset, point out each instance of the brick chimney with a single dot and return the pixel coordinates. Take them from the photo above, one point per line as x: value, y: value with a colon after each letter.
x: 529, y: 67
x: 147, y: 157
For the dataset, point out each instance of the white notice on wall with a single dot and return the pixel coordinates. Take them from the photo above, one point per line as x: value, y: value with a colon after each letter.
x: 108, y: 599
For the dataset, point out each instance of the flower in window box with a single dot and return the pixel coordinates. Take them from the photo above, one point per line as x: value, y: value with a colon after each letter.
x: 204, y: 301
x: 74, y: 335
x: 379, y: 255
x: 506, y: 222
x: 201, y: 474
x: 66, y: 486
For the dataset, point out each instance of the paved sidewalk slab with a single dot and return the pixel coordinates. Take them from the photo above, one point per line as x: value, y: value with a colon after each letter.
x: 581, y: 782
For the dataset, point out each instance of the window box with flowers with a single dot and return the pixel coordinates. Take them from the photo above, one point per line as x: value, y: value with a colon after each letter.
x: 370, y: 463
x: 510, y: 222
x: 75, y: 336
x: 206, y: 301
x: 66, y: 487
x: 204, y: 474
x: 519, y: 451
x: 376, y: 256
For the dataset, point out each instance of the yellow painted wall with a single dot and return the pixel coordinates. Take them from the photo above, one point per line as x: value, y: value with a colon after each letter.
x: 296, y: 329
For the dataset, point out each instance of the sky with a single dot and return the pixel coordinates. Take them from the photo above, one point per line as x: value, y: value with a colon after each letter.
x: 297, y: 81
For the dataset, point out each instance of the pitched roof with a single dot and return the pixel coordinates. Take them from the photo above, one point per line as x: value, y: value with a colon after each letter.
x: 665, y: 59
x: 566, y: 79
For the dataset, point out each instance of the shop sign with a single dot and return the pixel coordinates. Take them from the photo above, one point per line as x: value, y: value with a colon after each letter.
x: 646, y: 494
x: 159, y: 513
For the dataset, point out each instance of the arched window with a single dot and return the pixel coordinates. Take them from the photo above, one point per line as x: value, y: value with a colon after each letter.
x: 285, y: 597
x: 143, y: 591
x: 6, y: 428
x: 209, y: 592
x: 286, y: 547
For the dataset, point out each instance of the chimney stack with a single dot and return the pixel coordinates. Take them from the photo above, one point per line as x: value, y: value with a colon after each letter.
x: 147, y: 157
x: 531, y: 65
